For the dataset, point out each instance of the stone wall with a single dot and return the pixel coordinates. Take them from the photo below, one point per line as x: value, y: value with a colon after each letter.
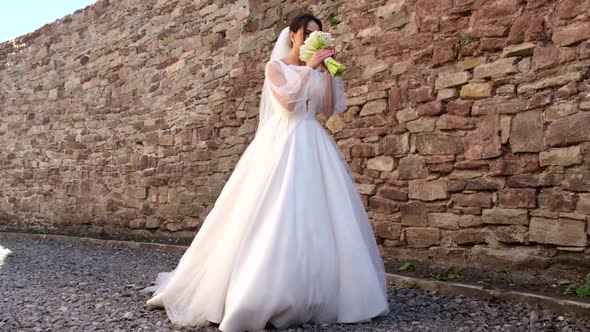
x: 468, y: 128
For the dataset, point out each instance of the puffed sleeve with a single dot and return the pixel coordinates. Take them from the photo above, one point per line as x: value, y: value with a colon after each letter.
x: 339, y: 95
x: 290, y: 86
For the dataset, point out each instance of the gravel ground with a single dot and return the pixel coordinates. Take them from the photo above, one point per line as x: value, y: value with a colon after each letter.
x: 58, y: 286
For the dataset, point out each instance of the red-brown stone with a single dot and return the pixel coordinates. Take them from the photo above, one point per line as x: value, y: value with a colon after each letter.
x: 388, y: 230
x: 527, y: 28
x: 459, y: 107
x: 420, y: 95
x: 517, y: 198
x: 569, y: 130
x: 557, y: 200
x: 394, y: 145
x: 422, y: 237
x: 570, y: 8
x: 428, y: 190
x: 444, y: 52
x: 526, y: 134
x: 571, y: 34
x: 395, y: 101
x: 515, y: 164
x: 577, y: 180
x: 481, y: 199
x: 392, y: 193
x: 434, y: 144
x: 363, y: 151
x: 430, y: 109
x: 484, y: 142
x: 550, y: 56
x: 412, y: 167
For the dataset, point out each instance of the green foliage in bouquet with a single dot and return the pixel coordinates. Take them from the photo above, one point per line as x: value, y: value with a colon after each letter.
x: 315, y: 42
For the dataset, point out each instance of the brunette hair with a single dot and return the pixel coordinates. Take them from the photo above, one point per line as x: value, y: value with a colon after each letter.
x: 301, y: 21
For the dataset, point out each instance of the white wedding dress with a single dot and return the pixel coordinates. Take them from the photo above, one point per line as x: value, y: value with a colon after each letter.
x: 288, y: 240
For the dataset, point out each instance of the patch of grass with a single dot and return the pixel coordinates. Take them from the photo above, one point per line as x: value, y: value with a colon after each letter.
x: 407, y: 266
x: 247, y: 25
x: 505, y: 274
x: 334, y: 21
x: 463, y: 40
x: 164, y: 34
x: 452, y: 274
x: 579, y: 289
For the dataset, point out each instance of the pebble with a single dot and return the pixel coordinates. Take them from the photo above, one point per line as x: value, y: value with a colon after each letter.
x: 49, y: 285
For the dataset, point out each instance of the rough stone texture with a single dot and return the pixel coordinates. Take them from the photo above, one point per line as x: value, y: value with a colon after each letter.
x: 584, y: 204
x: 451, y: 122
x: 430, y: 109
x: 447, y: 94
x: 443, y: 221
x: 125, y: 119
x: 412, y: 167
x: 396, y: 145
x: 422, y: 237
x: 434, y: 144
x: 560, y: 111
x: 526, y: 134
x: 515, y: 164
x: 550, y: 82
x: 393, y: 193
x: 421, y: 125
x: 469, y: 236
x: 565, y: 232
x: 484, y: 142
x: 577, y: 180
x: 517, y: 198
x: 572, y: 33
x: 335, y: 123
x: 557, y: 200
x: 476, y: 90
x: 382, y: 163
x: 499, y: 67
x: 406, y: 115
x: 569, y: 130
x: 550, y: 56
x: 452, y: 80
x: 535, y: 180
x: 505, y: 216
x: 453, y: 221
x: 459, y: 107
x: 374, y: 107
x: 561, y: 157
x: 524, y: 49
x: 388, y: 230
x: 428, y: 190
x: 478, y: 199
x: 512, y: 234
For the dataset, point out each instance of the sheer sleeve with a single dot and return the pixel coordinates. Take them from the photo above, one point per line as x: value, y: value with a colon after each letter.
x: 339, y: 95
x: 288, y: 84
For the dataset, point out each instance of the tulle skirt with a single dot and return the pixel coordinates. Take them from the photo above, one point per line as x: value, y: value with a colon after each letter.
x: 287, y: 242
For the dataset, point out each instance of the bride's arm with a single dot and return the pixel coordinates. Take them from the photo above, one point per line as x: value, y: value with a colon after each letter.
x: 288, y: 86
x: 334, y: 101
x: 328, y: 100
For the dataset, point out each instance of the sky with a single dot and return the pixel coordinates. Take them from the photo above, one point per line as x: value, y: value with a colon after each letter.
x: 19, y: 17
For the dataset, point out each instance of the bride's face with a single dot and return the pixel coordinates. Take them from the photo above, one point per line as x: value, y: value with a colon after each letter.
x: 298, y: 38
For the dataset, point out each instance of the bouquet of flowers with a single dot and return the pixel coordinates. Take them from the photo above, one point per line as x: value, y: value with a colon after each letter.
x: 315, y: 42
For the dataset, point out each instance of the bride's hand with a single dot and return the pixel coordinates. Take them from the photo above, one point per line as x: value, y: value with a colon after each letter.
x: 318, y: 57
x: 333, y: 49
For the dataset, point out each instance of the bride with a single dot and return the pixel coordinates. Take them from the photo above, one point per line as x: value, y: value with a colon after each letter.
x: 288, y: 240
